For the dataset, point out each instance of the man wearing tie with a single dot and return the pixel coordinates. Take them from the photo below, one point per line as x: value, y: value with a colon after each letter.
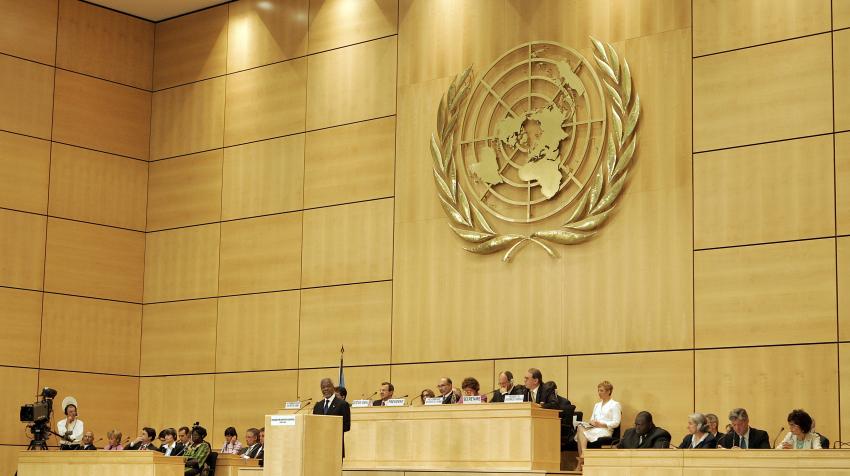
x: 333, y: 405
x: 252, y: 444
x: 387, y: 390
x: 743, y: 435
x: 88, y: 441
x: 645, y: 434
x: 536, y: 392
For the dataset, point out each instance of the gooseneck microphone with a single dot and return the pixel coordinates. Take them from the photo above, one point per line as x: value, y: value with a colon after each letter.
x: 309, y: 403
x: 777, y: 437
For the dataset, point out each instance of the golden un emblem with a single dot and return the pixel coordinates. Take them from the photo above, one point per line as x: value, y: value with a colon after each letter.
x: 543, y: 132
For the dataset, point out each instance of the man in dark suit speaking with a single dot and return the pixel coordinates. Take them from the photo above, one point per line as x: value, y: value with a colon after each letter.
x: 743, y: 435
x: 333, y: 405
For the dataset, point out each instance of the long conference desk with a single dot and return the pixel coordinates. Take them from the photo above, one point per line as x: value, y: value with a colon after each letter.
x: 111, y: 463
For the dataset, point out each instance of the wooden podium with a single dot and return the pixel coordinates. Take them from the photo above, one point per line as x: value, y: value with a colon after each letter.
x: 303, y: 445
x: 98, y: 463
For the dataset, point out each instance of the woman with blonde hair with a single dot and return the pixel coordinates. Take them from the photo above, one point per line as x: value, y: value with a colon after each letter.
x: 604, y: 419
x: 114, y: 438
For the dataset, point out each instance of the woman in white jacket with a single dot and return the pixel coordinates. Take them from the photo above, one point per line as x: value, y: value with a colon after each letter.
x: 71, y: 428
x: 801, y: 435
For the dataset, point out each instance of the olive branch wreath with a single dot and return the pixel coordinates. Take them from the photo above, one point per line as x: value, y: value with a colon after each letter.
x: 596, y: 203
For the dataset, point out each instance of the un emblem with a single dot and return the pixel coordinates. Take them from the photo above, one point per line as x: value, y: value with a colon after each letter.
x: 543, y: 132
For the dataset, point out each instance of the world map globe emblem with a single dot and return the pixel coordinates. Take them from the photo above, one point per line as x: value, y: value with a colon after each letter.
x: 532, y: 132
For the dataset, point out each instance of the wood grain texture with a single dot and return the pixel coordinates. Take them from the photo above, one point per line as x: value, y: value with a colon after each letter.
x: 28, y: 29
x: 190, y: 48
x: 266, y: 392
x: 185, y: 190
x: 26, y: 97
x: 187, y: 119
x: 101, y: 115
x: 20, y: 318
x: 841, y: 70
x: 840, y: 14
x: 22, y: 238
x: 842, y: 183
x: 179, y: 337
x: 98, y: 188
x: 260, y: 254
x: 94, y: 261
x: 263, y: 177
x: 9, y: 456
x: 176, y: 401
x: 843, y: 257
x: 770, y: 294
x: 182, y: 263
x: 21, y: 385
x: 264, y: 33
x: 844, y: 384
x: 25, y: 163
x: 750, y: 96
x: 336, y: 23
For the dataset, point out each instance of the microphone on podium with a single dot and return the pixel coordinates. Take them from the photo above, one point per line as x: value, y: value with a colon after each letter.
x: 492, y: 391
x: 309, y: 402
x: 777, y: 437
x: 370, y: 396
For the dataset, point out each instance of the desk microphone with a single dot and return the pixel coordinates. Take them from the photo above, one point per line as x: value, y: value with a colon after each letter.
x: 370, y: 396
x: 777, y: 436
x: 309, y: 402
x: 493, y: 391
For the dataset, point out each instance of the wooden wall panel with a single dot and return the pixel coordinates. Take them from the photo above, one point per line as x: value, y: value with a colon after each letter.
x: 841, y: 59
x: 331, y: 316
x: 348, y: 244
x: 349, y: 163
x: 773, y: 192
x: 843, y: 257
x: 359, y: 381
x: 176, y: 401
x: 844, y: 387
x: 106, y: 402
x: 264, y: 177
x: 260, y: 254
x: 265, y: 102
x: 770, y: 382
x: 243, y: 399
x: 26, y: 97
x: 257, y: 332
x: 22, y: 249
x: 101, y: 115
x: 95, y: 261
x: 90, y: 335
x: 181, y: 264
x: 20, y: 388
x: 553, y: 369
x: 840, y: 14
x: 842, y: 183
x: 105, y: 43
x: 264, y: 34
x: 179, y: 337
x: 336, y: 23
x: 368, y: 92
x: 9, y: 458
x: 769, y: 294
x: 25, y: 163
x: 187, y: 119
x: 661, y: 383
x: 28, y: 29
x: 185, y: 190
x: 20, y: 319
x: 729, y: 24
x: 412, y: 379
x: 752, y: 95
x: 190, y: 48
x: 99, y: 188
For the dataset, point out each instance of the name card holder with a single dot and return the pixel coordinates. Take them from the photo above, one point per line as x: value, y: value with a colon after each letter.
x: 513, y: 398
x: 360, y: 403
x: 395, y: 402
x: 283, y: 420
x: 433, y: 401
x: 472, y: 399
x: 292, y: 405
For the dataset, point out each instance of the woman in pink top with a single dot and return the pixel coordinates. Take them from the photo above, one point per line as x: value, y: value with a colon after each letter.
x: 114, y: 438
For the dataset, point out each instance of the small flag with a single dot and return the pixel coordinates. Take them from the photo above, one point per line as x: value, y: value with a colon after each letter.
x: 341, y: 374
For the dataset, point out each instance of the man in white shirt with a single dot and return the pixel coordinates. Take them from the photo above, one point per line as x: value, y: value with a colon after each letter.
x: 71, y: 428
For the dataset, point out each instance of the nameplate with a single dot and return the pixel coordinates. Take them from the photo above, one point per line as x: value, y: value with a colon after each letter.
x: 472, y: 399
x: 282, y: 420
x: 513, y: 398
x: 292, y: 405
x: 360, y: 403
x: 395, y: 402
x: 434, y: 401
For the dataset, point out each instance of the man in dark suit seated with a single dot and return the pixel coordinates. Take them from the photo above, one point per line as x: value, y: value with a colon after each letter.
x: 333, y: 405
x: 144, y: 441
x: 743, y: 435
x: 88, y: 441
x: 252, y: 444
x: 535, y: 391
x: 645, y: 434
x: 387, y: 390
x: 506, y: 387
x: 448, y: 393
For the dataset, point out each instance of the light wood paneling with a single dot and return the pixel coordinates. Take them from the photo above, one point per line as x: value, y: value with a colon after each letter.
x: 264, y: 177
x: 843, y: 253
x: 260, y: 254
x: 179, y: 337
x: 331, y: 316
x: 721, y: 25
x: 96, y: 187
x: 105, y: 43
x: 348, y: 243
x: 176, y: 401
x: 841, y: 57
x: 753, y: 95
x: 769, y: 294
x: 359, y: 381
x: 185, y: 190
x: 242, y: 400
x: 349, y: 163
x: 770, y: 382
x: 190, y: 48
x: 772, y: 192
x: 9, y: 457
x: 844, y: 387
x: 21, y: 249
x: 28, y: 29
x: 95, y: 261
x: 20, y: 388
x: 412, y: 379
x: 26, y: 97
x: 368, y: 91
x: 659, y: 382
x: 25, y: 163
x: 257, y: 332
x: 187, y: 119
x: 90, y: 335
x: 265, y: 102
x: 20, y: 319
x: 840, y: 14
x: 335, y: 23
x: 181, y: 264
x: 553, y: 369
x: 261, y: 32
x: 101, y: 115
x: 842, y: 183
x: 106, y: 402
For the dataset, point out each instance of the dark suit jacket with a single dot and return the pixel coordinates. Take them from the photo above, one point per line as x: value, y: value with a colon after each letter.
x: 708, y: 442
x: 338, y: 407
x: 547, y: 397
x: 251, y: 451
x: 177, y: 451
x: 759, y: 439
x: 88, y: 447
x: 138, y: 446
x: 451, y: 398
x: 499, y: 398
x: 656, y: 438
x: 378, y: 403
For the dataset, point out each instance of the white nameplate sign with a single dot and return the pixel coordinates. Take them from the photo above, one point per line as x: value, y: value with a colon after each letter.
x: 434, y: 401
x: 282, y: 420
x: 292, y: 405
x: 395, y: 402
x: 513, y: 398
x: 472, y: 399
x: 360, y: 403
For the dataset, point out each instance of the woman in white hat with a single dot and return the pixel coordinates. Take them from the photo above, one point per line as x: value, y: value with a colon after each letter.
x: 70, y: 427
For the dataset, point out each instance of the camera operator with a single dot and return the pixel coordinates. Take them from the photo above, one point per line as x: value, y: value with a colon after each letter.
x: 71, y: 428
